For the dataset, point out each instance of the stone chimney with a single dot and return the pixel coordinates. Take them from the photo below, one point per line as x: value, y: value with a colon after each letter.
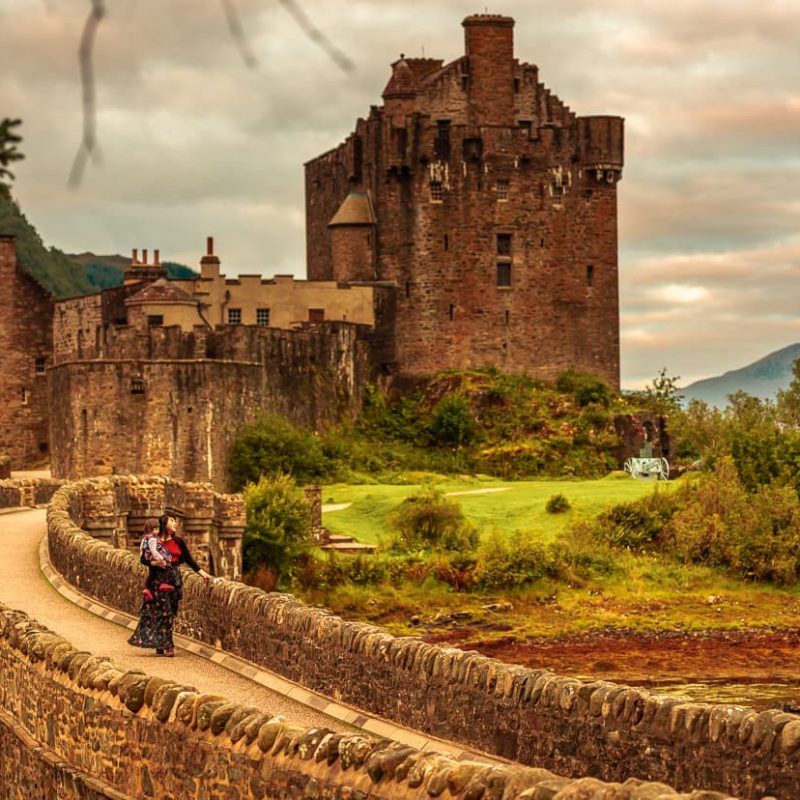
x: 209, y: 263
x: 489, y: 44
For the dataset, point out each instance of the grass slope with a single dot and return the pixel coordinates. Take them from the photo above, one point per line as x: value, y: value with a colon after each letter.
x: 520, y: 506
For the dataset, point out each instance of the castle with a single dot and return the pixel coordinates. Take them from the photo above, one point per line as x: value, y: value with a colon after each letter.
x: 470, y: 221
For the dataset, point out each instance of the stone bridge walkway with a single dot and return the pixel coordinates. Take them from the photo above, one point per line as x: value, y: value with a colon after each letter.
x: 91, y: 627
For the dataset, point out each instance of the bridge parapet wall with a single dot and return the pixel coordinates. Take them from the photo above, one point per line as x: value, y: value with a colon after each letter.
x: 79, y: 727
x: 27, y: 492
x: 113, y: 510
x: 570, y: 726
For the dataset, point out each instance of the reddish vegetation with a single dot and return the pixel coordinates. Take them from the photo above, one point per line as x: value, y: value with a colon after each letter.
x: 741, y: 656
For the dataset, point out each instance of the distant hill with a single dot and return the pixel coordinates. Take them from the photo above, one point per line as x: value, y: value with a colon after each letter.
x: 48, y: 266
x: 761, y: 379
x: 103, y: 272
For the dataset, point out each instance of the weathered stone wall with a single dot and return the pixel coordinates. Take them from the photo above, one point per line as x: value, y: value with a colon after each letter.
x: 113, y: 510
x: 572, y: 727
x: 27, y: 492
x: 520, y: 179
x: 74, y: 725
x: 26, y: 317
x: 169, y: 402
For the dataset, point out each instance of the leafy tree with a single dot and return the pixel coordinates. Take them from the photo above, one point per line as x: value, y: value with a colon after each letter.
x: 788, y: 400
x: 661, y: 395
x: 278, y: 523
x: 8, y: 153
x: 273, y: 445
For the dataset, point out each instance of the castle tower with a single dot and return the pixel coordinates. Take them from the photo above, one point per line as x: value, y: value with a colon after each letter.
x: 493, y: 212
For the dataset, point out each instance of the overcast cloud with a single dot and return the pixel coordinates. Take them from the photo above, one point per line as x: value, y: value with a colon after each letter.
x: 195, y: 144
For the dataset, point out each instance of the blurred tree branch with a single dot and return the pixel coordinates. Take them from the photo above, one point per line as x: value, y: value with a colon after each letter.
x: 88, y: 147
x: 8, y: 152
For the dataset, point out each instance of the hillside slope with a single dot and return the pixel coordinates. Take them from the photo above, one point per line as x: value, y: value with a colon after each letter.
x: 49, y: 266
x: 762, y: 378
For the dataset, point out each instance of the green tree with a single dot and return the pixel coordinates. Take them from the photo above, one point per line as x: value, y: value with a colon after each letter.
x: 661, y: 395
x: 788, y: 400
x: 271, y: 445
x: 427, y: 520
x: 9, y: 153
x: 278, y: 524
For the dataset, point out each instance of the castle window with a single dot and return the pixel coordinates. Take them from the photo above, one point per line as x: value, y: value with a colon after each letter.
x: 558, y: 194
x: 590, y: 275
x: 442, y: 143
x: 502, y: 191
x: 24, y: 395
x: 452, y: 311
x: 525, y: 126
x: 504, y: 273
x: 516, y: 84
x: 41, y: 365
x: 137, y: 386
x: 446, y: 242
x: 43, y: 447
x: 154, y: 320
x: 437, y: 191
x: 464, y: 82
x: 262, y: 317
x: 504, y: 244
x: 316, y: 315
x: 408, y: 289
x: 234, y: 316
x: 508, y: 318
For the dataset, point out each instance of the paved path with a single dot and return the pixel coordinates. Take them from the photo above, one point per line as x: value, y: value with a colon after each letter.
x: 102, y: 631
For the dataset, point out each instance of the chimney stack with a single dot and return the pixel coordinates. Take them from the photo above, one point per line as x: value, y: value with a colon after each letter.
x: 209, y: 245
x: 144, y: 256
x: 156, y: 261
x: 135, y: 256
x: 489, y: 44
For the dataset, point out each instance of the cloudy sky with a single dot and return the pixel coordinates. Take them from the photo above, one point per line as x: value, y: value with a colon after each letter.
x: 195, y: 143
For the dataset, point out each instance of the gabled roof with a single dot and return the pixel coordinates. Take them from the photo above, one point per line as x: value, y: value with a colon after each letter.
x: 408, y: 73
x: 161, y: 291
x: 356, y: 209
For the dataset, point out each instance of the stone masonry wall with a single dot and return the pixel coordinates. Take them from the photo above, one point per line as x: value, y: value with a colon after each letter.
x: 168, y: 402
x: 27, y: 493
x: 26, y: 316
x: 74, y: 725
x: 573, y: 727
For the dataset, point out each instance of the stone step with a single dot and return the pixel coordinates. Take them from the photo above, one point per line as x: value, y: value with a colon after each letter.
x: 349, y: 547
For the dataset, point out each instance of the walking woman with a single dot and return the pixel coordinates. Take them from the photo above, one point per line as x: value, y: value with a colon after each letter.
x: 157, y: 616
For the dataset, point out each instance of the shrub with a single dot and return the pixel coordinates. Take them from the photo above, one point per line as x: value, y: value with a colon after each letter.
x: 429, y: 521
x: 278, y: 523
x: 636, y: 525
x: 452, y: 423
x: 273, y: 445
x: 557, y: 504
x: 511, y: 562
x: 585, y: 388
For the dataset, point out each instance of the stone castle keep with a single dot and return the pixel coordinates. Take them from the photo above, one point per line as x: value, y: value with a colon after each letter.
x: 469, y: 221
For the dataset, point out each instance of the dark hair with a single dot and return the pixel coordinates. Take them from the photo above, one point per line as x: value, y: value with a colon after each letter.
x: 162, y: 523
x: 151, y: 524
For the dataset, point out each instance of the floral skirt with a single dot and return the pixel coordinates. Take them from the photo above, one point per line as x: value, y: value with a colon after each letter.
x: 157, y: 616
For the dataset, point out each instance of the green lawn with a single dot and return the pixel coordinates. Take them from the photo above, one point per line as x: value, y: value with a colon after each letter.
x: 519, y: 506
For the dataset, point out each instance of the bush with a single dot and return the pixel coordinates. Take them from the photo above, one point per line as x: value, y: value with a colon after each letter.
x: 452, y: 423
x: 634, y: 526
x: 755, y: 535
x: 509, y: 563
x: 273, y: 445
x: 429, y: 521
x: 557, y: 504
x: 585, y: 388
x: 278, y: 524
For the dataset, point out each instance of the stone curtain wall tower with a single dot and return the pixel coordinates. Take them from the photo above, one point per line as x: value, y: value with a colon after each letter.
x: 488, y: 204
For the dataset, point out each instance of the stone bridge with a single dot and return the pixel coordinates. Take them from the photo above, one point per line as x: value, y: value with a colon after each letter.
x: 633, y: 744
